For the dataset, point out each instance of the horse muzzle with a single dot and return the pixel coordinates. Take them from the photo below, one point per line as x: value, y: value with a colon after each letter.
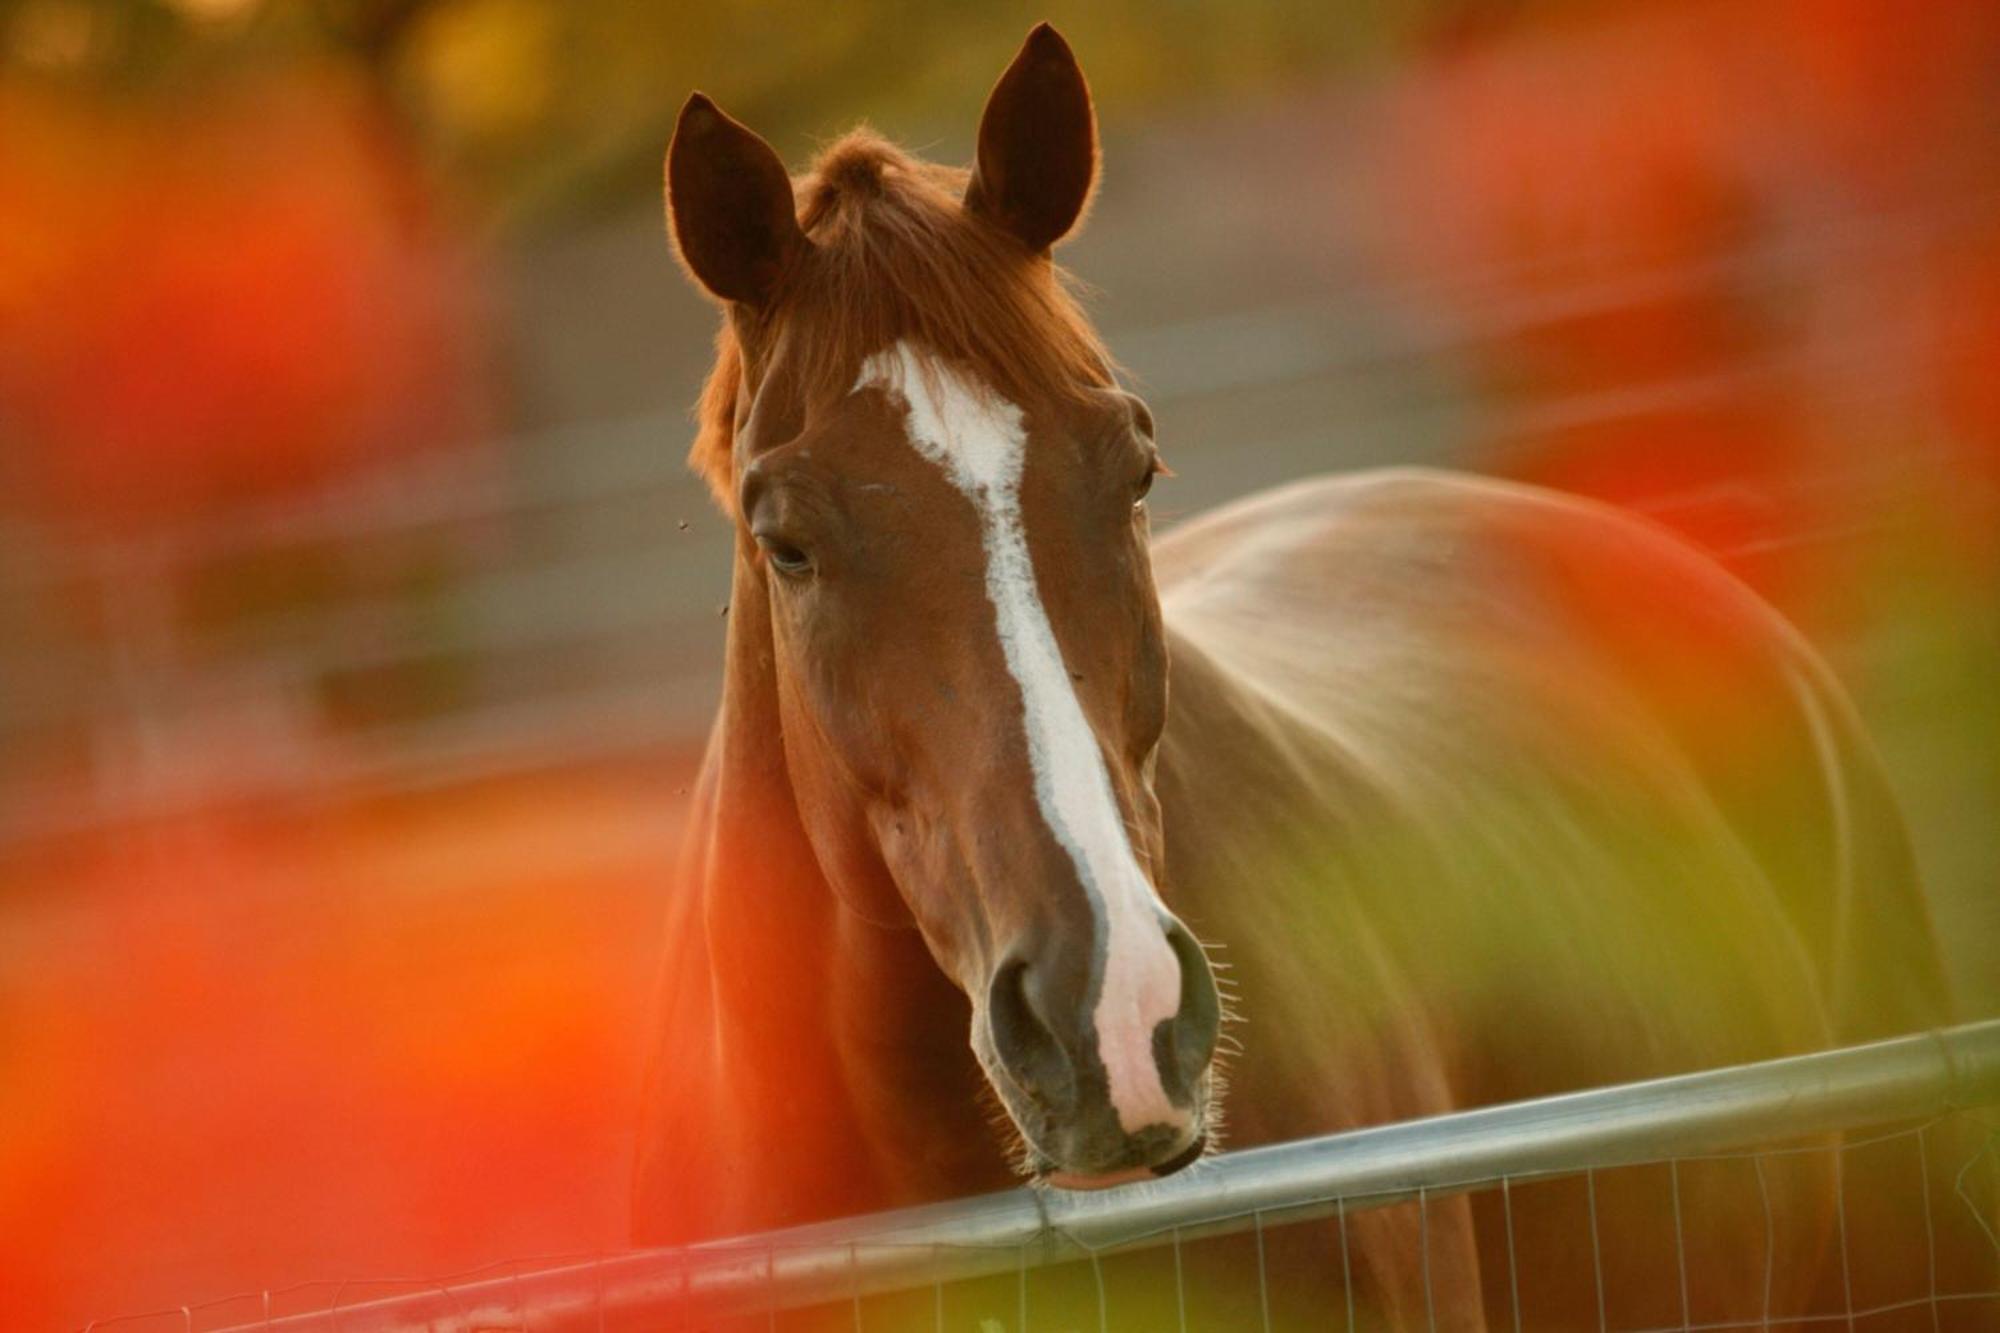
x: 1105, y: 1082
x: 1071, y: 1180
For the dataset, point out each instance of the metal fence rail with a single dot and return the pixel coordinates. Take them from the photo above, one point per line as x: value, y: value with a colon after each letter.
x: 1713, y: 1112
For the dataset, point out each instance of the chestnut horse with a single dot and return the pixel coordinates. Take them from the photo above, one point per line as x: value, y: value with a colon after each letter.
x: 1488, y: 792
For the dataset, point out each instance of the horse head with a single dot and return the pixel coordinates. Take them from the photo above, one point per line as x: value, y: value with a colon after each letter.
x: 939, y: 493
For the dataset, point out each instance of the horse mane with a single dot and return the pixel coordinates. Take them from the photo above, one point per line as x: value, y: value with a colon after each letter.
x: 894, y: 255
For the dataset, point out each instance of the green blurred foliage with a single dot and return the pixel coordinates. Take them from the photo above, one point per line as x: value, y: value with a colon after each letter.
x: 539, y: 107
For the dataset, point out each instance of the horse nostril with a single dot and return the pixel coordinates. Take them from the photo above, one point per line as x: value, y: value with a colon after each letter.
x: 1184, y: 1047
x: 1027, y: 1047
x: 1183, y: 1159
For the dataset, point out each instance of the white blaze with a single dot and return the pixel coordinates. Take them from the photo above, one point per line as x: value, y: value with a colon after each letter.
x: 978, y: 440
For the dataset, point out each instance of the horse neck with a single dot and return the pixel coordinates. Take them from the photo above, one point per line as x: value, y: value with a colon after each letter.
x: 766, y: 908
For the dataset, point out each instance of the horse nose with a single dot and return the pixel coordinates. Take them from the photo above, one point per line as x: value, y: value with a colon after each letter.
x: 1054, y: 1043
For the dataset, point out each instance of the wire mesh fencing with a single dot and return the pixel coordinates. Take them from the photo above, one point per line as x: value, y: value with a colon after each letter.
x: 1850, y: 1189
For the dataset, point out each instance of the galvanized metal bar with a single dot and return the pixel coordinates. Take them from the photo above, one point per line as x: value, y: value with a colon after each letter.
x: 1717, y: 1111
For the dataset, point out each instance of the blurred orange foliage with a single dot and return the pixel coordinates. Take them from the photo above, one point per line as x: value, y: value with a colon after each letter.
x: 1707, y: 227
x: 208, y: 300
x: 397, y: 1036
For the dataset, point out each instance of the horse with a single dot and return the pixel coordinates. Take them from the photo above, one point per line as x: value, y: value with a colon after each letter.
x: 1484, y: 792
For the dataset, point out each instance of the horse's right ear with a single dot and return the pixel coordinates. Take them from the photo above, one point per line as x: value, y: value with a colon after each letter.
x: 729, y: 205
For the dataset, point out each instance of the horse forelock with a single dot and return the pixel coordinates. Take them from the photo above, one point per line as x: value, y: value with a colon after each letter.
x: 895, y: 257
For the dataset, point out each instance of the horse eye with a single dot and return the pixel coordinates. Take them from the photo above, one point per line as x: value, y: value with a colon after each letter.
x: 1155, y: 468
x: 787, y: 559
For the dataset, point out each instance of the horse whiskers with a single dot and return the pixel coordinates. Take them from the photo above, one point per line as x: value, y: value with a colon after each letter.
x: 1214, y: 1115
x: 1014, y: 1145
x: 995, y: 1111
x: 1025, y: 1162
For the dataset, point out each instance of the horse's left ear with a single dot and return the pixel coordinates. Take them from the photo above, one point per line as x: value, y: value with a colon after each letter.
x: 1037, y: 144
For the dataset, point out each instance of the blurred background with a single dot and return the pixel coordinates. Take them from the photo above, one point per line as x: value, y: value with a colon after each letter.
x: 359, y: 624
